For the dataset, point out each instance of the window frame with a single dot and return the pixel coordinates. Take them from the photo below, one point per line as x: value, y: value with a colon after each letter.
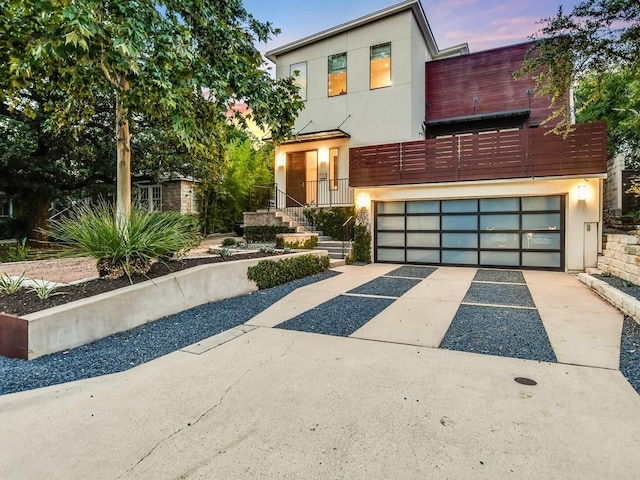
x: 334, y: 166
x: 292, y: 69
x: 371, y: 87
x: 150, y: 205
x: 329, y: 58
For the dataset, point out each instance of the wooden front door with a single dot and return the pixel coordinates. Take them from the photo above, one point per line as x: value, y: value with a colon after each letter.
x: 296, y: 179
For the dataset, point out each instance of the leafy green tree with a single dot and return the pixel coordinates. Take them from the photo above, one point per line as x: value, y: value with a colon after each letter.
x: 179, y: 62
x: 597, y: 37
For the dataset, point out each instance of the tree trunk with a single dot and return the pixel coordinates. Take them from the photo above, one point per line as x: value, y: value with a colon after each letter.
x: 123, y: 170
x: 39, y: 213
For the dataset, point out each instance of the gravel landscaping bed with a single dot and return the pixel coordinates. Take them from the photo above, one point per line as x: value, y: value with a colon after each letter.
x: 125, y: 350
x: 502, y: 276
x: 619, y: 284
x: 630, y: 352
x: 505, y: 332
x: 413, y: 272
x: 340, y: 316
x: 499, y: 294
x: 386, y: 287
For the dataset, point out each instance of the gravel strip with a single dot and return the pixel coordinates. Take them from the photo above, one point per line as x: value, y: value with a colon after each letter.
x: 500, y: 276
x: 619, y: 284
x: 125, y: 350
x: 505, y: 332
x: 412, y: 272
x: 340, y: 316
x: 499, y: 294
x: 630, y: 352
x: 386, y: 286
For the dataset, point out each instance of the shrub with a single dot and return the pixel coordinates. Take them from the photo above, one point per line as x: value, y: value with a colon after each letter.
x: 265, y: 233
x: 92, y: 231
x: 308, y: 244
x: 15, y: 253
x: 229, y: 242
x: 10, y: 285
x: 331, y: 220
x: 271, y: 273
x: 361, y: 245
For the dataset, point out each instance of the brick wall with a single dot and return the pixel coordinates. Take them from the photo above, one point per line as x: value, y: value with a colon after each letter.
x: 621, y: 257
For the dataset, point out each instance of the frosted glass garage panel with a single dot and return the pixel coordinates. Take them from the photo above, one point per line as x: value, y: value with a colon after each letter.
x: 423, y: 223
x: 390, y: 223
x: 459, y: 222
x: 390, y: 255
x: 541, y: 221
x: 499, y: 204
x: 423, y: 256
x: 500, y: 222
x: 541, y: 259
x: 541, y: 241
x: 540, y: 203
x: 459, y: 206
x: 461, y: 257
x: 500, y: 258
x: 428, y: 240
x: 390, y: 239
x: 460, y: 240
x: 432, y: 206
x: 390, y: 207
x: 499, y: 240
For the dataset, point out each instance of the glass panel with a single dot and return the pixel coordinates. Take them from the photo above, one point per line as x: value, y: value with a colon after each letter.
x: 541, y: 259
x: 455, y: 206
x: 541, y: 241
x: 391, y: 239
x: 390, y: 255
x: 337, y: 74
x: 390, y: 223
x: 423, y: 240
x: 460, y: 222
x: 380, y: 67
x: 499, y: 240
x: 499, y: 205
x: 299, y: 72
x: 500, y: 258
x: 423, y: 223
x: 423, y: 256
x: 500, y: 222
x: 333, y: 168
x: 390, y: 207
x: 540, y: 203
x: 423, y: 207
x: 460, y: 240
x: 462, y: 257
x: 541, y: 221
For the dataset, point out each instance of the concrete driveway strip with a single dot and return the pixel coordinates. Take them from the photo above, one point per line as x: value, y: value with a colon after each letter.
x: 311, y: 296
x: 583, y: 329
x: 282, y: 404
x: 423, y: 314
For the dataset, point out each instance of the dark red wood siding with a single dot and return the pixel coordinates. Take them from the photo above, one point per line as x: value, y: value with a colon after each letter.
x: 452, y: 83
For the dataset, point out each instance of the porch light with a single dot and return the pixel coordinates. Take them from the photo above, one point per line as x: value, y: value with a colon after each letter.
x: 323, y: 155
x: 583, y: 192
x: 280, y: 160
x: 363, y: 200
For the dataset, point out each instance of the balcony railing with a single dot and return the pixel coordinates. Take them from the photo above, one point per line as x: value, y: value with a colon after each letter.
x: 497, y: 155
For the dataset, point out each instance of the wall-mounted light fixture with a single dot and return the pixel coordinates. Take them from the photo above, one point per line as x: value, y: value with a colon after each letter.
x: 583, y: 193
x: 363, y: 200
x: 280, y: 160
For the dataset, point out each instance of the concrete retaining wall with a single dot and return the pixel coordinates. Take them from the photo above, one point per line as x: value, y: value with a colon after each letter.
x: 84, y: 321
x: 621, y: 257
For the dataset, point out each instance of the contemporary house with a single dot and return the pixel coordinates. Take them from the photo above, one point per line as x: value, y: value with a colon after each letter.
x: 444, y: 149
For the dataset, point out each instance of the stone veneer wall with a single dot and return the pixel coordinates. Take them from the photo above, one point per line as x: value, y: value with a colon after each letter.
x: 177, y: 196
x: 621, y: 257
x: 254, y: 219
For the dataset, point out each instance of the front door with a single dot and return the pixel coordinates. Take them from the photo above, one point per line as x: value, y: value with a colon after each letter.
x: 296, y: 178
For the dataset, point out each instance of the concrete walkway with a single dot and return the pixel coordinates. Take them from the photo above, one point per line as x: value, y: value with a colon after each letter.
x: 259, y: 402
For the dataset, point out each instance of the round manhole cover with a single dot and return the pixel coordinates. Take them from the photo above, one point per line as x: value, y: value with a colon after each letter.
x: 525, y: 381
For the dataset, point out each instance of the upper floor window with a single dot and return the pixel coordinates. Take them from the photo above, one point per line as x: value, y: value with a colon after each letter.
x: 337, y: 74
x: 380, y: 66
x: 299, y: 72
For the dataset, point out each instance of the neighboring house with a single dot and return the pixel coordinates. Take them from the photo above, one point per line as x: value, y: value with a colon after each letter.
x: 170, y: 194
x: 443, y: 148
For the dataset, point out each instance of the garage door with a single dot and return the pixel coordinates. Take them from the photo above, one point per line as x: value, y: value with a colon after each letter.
x: 516, y: 232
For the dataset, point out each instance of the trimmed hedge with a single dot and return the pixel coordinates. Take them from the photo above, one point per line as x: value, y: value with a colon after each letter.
x: 265, y: 233
x: 330, y: 221
x: 308, y: 244
x: 271, y: 273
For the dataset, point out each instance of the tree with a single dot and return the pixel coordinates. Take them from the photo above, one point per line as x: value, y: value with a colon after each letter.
x: 178, y: 62
x: 598, y: 36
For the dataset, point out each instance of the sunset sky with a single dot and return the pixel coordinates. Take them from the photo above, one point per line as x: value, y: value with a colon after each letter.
x: 481, y: 23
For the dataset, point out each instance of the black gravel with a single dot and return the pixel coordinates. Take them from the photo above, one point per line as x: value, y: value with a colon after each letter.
x: 505, y: 332
x: 386, y: 286
x: 499, y: 294
x: 125, y: 350
x: 622, y: 285
x: 412, y: 272
x: 630, y: 352
x: 340, y: 316
x: 502, y: 276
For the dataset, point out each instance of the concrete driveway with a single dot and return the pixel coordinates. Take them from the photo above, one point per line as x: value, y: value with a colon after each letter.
x: 262, y: 402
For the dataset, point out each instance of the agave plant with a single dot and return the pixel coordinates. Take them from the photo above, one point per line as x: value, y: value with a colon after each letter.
x: 147, y: 237
x: 10, y: 285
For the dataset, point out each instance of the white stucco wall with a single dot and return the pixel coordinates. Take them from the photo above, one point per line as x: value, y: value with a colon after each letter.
x: 577, y: 212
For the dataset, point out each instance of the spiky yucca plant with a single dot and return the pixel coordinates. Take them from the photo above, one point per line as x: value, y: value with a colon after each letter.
x: 92, y: 230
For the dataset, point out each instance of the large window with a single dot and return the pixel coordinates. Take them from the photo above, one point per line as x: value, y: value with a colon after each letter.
x: 149, y: 198
x: 338, y: 74
x: 299, y: 72
x: 380, y: 66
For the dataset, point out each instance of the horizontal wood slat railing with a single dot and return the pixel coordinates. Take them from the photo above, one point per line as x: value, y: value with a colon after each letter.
x: 485, y: 156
